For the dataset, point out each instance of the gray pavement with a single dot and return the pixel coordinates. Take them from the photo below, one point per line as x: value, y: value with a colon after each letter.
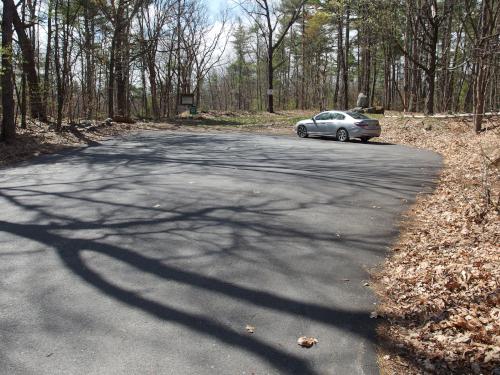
x: 149, y: 255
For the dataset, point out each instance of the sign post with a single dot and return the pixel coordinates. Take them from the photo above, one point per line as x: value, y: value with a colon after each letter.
x: 187, y: 103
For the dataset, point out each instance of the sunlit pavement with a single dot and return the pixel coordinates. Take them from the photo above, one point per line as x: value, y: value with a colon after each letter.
x: 150, y: 255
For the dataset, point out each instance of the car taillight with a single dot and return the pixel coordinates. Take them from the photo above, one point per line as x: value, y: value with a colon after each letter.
x: 361, y: 124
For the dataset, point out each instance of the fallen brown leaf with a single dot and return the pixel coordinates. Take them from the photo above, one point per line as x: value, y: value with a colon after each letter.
x: 307, y: 342
x: 250, y: 329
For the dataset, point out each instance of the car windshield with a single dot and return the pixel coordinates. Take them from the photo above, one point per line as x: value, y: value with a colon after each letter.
x: 357, y: 116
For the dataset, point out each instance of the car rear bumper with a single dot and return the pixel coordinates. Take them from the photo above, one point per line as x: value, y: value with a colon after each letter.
x: 361, y: 133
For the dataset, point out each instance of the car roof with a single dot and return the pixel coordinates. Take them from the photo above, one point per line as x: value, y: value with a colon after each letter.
x: 333, y: 111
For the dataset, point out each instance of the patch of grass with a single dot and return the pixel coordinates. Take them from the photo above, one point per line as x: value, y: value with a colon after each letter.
x: 244, y: 120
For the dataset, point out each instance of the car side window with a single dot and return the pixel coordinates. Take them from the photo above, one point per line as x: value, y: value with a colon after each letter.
x: 339, y: 116
x: 323, y: 116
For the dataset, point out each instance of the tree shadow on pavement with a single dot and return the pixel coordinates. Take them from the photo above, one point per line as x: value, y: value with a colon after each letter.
x: 71, y: 256
x: 116, y: 171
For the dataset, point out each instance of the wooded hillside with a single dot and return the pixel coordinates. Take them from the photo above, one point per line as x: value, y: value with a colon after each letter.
x: 67, y: 60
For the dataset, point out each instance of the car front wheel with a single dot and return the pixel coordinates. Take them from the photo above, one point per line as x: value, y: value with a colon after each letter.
x: 302, y: 131
x: 342, y: 135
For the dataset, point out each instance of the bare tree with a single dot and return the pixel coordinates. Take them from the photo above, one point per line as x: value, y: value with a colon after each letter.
x: 62, y: 36
x: 29, y: 65
x: 269, y: 17
x: 152, y: 19
x: 484, y: 37
x: 8, y: 122
x: 428, y: 20
x: 120, y: 14
x: 204, y: 45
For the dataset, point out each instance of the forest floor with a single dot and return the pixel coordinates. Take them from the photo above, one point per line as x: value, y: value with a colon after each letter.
x: 440, y: 286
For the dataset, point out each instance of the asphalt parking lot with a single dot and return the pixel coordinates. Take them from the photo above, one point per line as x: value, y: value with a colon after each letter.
x: 151, y: 254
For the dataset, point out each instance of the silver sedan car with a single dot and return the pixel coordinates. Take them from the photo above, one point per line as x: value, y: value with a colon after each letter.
x: 341, y: 125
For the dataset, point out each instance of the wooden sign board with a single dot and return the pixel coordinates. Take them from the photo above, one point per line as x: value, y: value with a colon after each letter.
x: 187, y: 99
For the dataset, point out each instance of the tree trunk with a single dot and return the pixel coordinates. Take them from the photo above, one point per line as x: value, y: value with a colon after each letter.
x: 57, y: 61
x: 37, y: 109
x: 153, y: 86
x: 121, y: 77
x: 23, y: 81
x: 430, y: 74
x: 364, y: 51
x: 414, y: 105
x: 8, y: 123
x: 88, y: 100
x: 479, y: 96
x: 178, y: 57
x: 258, y: 79
x: 340, y: 58
x: 145, y: 109
x: 483, y: 48
x: 303, y: 60
x: 345, y: 72
x: 48, y: 56
x: 406, y: 74
x: 444, y: 75
x: 270, y: 77
x: 430, y: 78
x: 111, y: 77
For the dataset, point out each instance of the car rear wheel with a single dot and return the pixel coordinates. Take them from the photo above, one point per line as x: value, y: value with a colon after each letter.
x: 302, y: 131
x: 342, y: 135
x: 365, y: 139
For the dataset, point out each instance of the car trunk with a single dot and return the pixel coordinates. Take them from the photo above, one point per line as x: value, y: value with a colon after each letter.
x: 370, y: 124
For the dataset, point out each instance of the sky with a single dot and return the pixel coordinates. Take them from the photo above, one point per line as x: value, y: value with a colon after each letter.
x: 217, y: 6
